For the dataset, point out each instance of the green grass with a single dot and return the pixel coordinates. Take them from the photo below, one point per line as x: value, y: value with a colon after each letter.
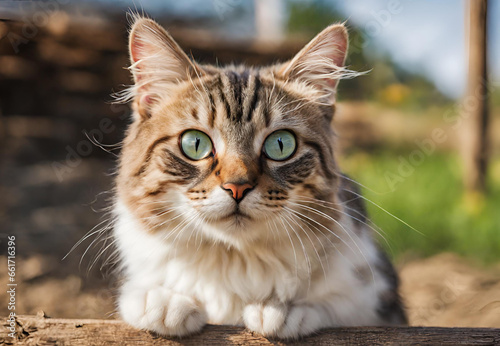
x: 431, y: 200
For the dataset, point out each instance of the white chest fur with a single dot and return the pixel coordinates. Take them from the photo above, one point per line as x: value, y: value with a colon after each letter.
x: 225, y: 280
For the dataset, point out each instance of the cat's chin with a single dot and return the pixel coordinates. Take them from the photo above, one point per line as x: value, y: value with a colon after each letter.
x: 233, y: 222
x: 236, y: 223
x: 233, y: 230
x: 235, y: 216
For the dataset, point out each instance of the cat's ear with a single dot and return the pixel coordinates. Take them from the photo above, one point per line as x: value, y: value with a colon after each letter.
x: 321, y: 62
x: 157, y: 64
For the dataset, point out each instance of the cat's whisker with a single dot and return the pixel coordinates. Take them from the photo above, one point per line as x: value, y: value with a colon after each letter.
x: 159, y: 213
x: 112, y: 260
x: 293, y: 247
x: 91, y: 244
x: 308, y: 225
x: 204, y: 220
x: 176, y: 231
x: 292, y: 218
x: 269, y: 226
x: 364, y: 186
x: 162, y: 213
x: 200, y: 220
x: 320, y: 224
x: 385, y: 211
x: 92, y: 232
x: 340, y: 238
x: 103, y: 250
x: 193, y: 229
x: 276, y: 229
x: 347, y: 232
x: 193, y: 218
x: 108, y: 210
x: 368, y: 222
x: 316, y: 202
x: 179, y: 226
x: 170, y: 220
x: 164, y: 201
x: 182, y: 222
x: 99, y: 145
x: 306, y: 256
x: 343, y: 204
x: 299, y: 223
x: 309, y: 221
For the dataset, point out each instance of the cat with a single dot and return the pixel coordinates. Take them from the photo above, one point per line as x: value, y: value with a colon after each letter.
x: 230, y: 206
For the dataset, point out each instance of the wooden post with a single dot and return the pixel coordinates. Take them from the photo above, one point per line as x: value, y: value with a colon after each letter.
x: 475, y: 103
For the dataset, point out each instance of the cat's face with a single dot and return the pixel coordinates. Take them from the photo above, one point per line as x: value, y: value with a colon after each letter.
x: 227, y: 151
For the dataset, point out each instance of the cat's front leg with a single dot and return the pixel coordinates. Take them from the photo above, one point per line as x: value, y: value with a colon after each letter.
x: 161, y: 310
x: 285, y: 321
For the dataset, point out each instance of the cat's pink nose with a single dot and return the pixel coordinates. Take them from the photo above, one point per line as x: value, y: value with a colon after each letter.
x: 238, y: 190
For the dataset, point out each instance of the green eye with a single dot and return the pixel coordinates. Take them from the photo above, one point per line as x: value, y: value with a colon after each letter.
x: 280, y: 145
x: 195, y: 144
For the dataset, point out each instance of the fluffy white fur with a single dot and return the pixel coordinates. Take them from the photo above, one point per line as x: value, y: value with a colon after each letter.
x: 176, y: 286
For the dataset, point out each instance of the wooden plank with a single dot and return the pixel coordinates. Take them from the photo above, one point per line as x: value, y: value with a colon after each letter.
x: 39, y: 330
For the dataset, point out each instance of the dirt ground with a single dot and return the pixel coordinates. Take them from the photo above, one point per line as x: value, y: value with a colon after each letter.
x: 446, y: 291
x: 443, y: 290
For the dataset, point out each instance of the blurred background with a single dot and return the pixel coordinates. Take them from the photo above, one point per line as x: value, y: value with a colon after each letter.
x: 417, y: 131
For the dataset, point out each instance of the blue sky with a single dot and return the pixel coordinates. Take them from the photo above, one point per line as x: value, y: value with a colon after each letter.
x: 425, y: 36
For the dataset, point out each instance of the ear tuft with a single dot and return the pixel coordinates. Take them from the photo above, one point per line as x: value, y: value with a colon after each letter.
x: 321, y: 62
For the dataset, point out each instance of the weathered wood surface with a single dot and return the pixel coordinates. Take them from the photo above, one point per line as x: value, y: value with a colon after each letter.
x: 37, y: 330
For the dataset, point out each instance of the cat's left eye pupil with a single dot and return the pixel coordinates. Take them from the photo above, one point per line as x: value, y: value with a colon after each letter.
x: 280, y: 143
x: 197, y: 145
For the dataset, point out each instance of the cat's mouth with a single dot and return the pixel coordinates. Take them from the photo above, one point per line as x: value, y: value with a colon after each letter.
x: 236, y: 215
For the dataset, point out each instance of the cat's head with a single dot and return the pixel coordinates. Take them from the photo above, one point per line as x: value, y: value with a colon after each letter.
x: 228, y: 151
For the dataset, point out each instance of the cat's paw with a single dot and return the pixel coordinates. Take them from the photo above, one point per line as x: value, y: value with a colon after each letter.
x: 162, y: 311
x: 281, y: 321
x: 266, y: 319
x: 302, y: 320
